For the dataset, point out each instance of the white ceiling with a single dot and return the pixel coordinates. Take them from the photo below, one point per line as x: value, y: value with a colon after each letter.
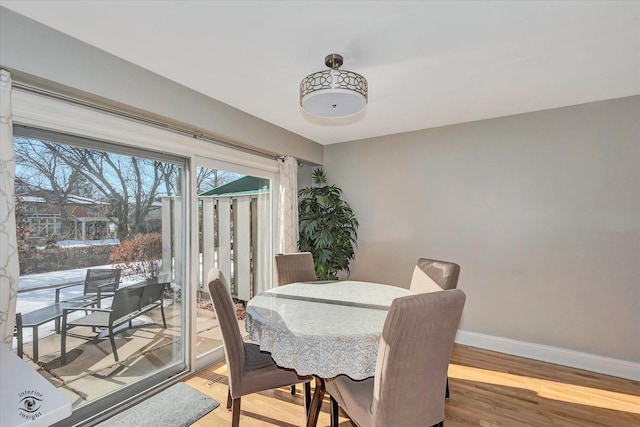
x: 427, y: 63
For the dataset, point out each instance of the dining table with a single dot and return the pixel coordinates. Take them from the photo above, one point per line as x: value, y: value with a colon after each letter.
x: 322, y: 328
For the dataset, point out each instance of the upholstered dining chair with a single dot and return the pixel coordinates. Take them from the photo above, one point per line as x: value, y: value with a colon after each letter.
x: 250, y: 370
x: 414, y: 353
x: 431, y: 275
x: 295, y: 267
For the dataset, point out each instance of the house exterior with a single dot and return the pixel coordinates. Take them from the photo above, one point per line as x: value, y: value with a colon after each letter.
x: 42, y: 215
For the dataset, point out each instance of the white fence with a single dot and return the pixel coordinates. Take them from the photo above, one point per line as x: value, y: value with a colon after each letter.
x: 234, y: 231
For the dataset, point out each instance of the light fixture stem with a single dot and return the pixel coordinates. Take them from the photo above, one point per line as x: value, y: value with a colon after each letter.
x: 334, y: 61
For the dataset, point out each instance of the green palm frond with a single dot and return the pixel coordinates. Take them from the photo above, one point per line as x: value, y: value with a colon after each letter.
x: 328, y: 227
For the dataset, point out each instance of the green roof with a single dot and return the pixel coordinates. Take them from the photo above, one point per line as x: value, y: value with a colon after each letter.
x: 244, y: 186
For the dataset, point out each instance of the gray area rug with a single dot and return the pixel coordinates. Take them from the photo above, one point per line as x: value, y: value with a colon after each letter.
x: 178, y: 406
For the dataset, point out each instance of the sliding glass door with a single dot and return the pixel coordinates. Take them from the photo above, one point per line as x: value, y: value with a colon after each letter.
x: 234, y: 207
x: 95, y: 220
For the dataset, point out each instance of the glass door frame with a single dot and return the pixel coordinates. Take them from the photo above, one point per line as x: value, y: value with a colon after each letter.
x: 266, y: 171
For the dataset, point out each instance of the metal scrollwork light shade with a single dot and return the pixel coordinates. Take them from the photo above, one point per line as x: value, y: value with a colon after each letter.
x: 333, y: 92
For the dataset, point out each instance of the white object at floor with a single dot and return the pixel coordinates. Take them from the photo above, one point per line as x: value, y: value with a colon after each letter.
x: 26, y: 397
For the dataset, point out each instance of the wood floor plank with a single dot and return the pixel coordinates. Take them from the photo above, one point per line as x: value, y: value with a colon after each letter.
x: 488, y: 389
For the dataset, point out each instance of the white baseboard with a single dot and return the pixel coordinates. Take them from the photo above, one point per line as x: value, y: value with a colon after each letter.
x: 545, y: 353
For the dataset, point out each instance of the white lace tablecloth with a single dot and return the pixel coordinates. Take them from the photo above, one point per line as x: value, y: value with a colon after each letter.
x: 322, y: 329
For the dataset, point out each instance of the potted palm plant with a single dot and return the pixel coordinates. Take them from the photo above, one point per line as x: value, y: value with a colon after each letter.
x: 328, y: 227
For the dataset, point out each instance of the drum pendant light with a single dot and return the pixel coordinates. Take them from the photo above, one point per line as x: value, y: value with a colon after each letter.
x: 333, y: 93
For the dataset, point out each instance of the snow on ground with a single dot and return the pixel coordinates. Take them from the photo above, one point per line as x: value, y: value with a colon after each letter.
x: 84, y: 243
x: 53, y: 278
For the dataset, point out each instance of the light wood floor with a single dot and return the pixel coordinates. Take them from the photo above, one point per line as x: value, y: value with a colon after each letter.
x: 488, y: 389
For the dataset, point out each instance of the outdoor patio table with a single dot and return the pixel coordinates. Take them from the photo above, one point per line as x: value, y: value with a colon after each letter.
x: 322, y: 328
x: 41, y: 316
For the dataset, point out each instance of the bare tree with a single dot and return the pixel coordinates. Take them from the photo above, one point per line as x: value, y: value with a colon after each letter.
x: 211, y: 178
x: 171, y: 178
x: 206, y: 179
x: 130, y: 184
x: 44, y: 170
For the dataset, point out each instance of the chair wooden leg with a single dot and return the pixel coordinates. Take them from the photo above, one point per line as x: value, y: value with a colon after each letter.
x: 334, y: 412
x: 293, y: 390
x: 229, y: 400
x: 307, y: 397
x: 235, y: 414
x: 316, y: 403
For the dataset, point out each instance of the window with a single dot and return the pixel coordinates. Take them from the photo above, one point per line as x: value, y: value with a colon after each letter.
x: 109, y: 217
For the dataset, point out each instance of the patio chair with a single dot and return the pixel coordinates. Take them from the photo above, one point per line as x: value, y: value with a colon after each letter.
x: 431, y: 275
x: 250, y: 370
x: 151, y: 298
x: 126, y: 302
x: 291, y: 268
x: 99, y: 283
x: 411, y: 370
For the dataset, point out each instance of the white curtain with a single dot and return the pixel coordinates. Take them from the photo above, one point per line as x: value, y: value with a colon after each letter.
x: 9, y: 267
x: 263, y: 242
x: 287, y: 238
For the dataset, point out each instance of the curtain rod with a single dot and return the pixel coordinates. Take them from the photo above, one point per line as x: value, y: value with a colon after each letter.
x: 281, y: 159
x: 131, y: 116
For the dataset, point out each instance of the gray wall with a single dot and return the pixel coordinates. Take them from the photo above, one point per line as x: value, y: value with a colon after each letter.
x: 541, y: 210
x: 38, y: 54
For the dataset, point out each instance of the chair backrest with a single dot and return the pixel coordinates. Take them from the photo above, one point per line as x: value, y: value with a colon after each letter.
x: 431, y: 275
x: 226, y: 315
x: 295, y: 267
x: 413, y: 357
x: 108, y: 279
x: 151, y: 292
x: 125, y: 301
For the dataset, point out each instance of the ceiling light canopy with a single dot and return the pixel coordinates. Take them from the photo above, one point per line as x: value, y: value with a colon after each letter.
x: 333, y: 92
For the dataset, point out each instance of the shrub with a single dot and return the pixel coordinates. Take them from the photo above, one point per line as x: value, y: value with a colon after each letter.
x: 140, y: 255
